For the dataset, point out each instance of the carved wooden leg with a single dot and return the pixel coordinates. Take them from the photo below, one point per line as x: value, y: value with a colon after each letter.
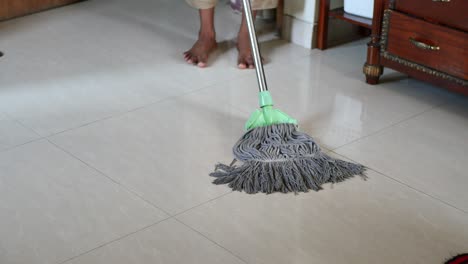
x: 372, y: 68
x: 372, y: 75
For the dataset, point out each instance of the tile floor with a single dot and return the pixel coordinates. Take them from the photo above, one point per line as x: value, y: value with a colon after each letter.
x: 107, y: 137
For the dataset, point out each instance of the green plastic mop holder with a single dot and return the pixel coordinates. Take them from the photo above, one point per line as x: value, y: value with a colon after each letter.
x: 267, y: 114
x: 265, y: 99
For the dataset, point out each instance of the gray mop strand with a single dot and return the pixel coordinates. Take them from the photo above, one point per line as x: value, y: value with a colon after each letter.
x: 279, y: 158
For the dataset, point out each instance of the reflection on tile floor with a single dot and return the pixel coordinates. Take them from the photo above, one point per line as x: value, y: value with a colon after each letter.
x: 107, y: 137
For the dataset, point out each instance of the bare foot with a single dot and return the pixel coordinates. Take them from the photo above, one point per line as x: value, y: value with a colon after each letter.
x: 244, y: 59
x: 200, y: 51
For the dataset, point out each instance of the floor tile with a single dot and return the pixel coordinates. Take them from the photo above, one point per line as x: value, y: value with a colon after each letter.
x: 49, y: 108
x: 53, y: 207
x: 73, y: 77
x: 373, y: 221
x: 427, y: 152
x: 105, y: 81
x: 168, y: 242
x: 60, y: 90
x: 13, y: 133
x: 349, y: 57
x: 333, y: 106
x: 163, y: 152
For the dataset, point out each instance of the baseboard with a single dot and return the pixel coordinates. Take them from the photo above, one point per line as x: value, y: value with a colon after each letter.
x: 297, y: 31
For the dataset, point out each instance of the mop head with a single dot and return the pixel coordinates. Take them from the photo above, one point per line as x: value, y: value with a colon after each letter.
x: 279, y: 158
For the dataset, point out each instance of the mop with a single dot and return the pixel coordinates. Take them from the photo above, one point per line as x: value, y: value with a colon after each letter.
x: 275, y: 156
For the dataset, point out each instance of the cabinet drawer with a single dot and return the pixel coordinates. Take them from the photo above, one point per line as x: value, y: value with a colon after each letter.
x: 431, y: 45
x: 453, y: 13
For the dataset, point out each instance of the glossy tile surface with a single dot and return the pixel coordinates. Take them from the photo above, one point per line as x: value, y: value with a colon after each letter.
x: 107, y: 138
x: 335, y: 105
x: 125, y: 55
x: 12, y: 133
x: 163, y: 152
x: 377, y: 221
x: 428, y: 152
x: 167, y: 242
x: 53, y: 207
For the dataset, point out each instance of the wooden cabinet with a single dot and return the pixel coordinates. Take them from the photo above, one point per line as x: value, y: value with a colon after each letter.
x: 426, y: 39
x: 14, y: 8
x: 452, y: 13
x: 324, y: 14
x: 435, y: 46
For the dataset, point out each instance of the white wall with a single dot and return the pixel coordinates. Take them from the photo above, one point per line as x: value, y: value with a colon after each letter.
x: 299, y: 21
x: 301, y: 9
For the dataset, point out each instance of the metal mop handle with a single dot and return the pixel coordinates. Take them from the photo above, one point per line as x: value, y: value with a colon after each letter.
x: 255, y: 50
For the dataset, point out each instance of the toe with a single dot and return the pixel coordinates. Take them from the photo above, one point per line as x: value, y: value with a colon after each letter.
x: 188, y: 58
x: 242, y: 65
x: 250, y: 62
x: 202, y: 61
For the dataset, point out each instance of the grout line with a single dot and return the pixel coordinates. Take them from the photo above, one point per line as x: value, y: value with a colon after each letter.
x: 379, y: 131
x: 19, y: 145
x: 120, y: 113
x: 144, y: 106
x: 169, y: 216
x: 407, y: 185
x: 203, y: 203
x: 133, y: 192
x: 110, y: 178
x: 150, y: 226
x: 116, y: 115
x: 115, y: 240
x: 149, y: 104
x: 216, y: 243
x: 39, y: 137
x: 27, y: 127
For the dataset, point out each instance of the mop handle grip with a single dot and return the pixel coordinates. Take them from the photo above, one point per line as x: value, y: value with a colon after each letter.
x: 254, y: 44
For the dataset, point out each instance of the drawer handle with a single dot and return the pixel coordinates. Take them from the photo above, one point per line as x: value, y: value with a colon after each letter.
x: 443, y: 1
x: 423, y: 45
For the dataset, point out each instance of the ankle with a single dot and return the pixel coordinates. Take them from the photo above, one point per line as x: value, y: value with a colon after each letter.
x: 207, y: 35
x: 243, y: 32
